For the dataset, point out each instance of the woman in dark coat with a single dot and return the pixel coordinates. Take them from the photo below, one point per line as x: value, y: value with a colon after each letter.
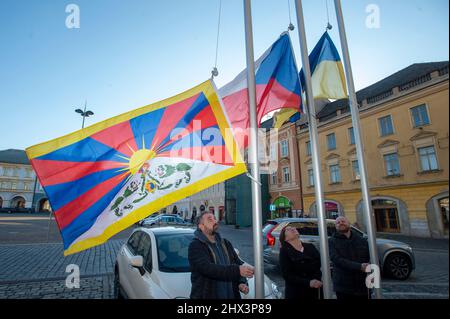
x: 300, y: 266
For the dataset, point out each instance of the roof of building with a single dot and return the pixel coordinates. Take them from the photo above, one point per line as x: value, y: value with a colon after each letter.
x: 267, y: 124
x: 13, y: 156
x: 404, y: 76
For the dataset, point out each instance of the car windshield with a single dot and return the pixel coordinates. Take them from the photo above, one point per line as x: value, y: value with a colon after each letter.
x: 173, y: 252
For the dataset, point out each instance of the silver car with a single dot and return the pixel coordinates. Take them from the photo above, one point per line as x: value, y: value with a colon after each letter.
x: 154, y: 264
x: 396, y: 258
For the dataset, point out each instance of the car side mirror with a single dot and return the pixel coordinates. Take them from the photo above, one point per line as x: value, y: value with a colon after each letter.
x: 138, y: 263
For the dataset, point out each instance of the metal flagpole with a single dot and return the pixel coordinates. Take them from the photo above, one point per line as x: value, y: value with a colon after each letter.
x: 320, y: 203
x: 253, y: 156
x: 367, y: 203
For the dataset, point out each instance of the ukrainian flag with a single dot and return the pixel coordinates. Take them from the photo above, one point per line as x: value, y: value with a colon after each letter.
x: 285, y: 115
x: 327, y: 72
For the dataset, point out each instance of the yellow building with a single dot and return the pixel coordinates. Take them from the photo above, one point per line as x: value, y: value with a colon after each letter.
x: 405, y: 122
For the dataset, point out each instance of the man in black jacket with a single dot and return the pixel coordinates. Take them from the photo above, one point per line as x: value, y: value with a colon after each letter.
x: 216, y: 270
x: 349, y: 253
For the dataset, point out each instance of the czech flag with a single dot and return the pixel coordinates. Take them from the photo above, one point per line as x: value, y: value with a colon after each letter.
x: 277, y: 87
x: 106, y: 177
x: 327, y: 72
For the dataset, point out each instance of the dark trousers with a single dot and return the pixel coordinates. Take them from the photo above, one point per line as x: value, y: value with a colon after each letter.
x: 346, y: 296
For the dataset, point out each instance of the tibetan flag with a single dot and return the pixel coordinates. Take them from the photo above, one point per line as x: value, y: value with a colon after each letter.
x: 106, y: 177
x: 327, y: 72
x: 277, y: 87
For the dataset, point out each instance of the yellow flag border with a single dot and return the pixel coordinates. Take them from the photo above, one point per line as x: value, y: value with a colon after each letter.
x: 210, y: 92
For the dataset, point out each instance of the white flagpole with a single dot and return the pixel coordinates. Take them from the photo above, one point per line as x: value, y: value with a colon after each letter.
x: 253, y: 156
x: 367, y: 203
x: 320, y: 202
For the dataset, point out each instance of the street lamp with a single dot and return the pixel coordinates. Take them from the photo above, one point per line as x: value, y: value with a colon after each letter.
x: 84, y: 113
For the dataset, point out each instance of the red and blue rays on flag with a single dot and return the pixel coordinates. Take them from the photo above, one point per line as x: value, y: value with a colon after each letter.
x: 82, y: 173
x: 277, y: 86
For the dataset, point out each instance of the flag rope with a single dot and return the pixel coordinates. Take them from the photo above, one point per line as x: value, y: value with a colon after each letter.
x: 214, y: 71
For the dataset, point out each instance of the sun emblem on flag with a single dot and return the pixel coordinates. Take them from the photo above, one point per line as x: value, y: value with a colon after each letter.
x: 163, y: 177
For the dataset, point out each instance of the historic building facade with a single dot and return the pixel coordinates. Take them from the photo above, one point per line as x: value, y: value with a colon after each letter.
x: 213, y: 198
x: 284, y: 172
x: 19, y: 188
x: 404, y: 122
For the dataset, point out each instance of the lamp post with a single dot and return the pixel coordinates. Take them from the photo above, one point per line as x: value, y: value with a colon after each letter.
x: 84, y: 113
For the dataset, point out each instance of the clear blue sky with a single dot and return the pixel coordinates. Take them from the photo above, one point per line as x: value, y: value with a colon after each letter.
x: 131, y: 53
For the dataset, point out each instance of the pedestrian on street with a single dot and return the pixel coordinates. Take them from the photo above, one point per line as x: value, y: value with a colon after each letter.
x: 300, y: 266
x: 194, y: 215
x: 349, y: 253
x: 216, y: 270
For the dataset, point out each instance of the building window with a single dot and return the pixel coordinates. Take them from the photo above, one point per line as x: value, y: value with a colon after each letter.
x: 274, y: 178
x: 335, y: 174
x: 428, y: 160
x: 386, y: 127
x: 351, y: 136
x: 308, y: 148
x: 273, y: 152
x: 286, y: 175
x: 284, y: 148
x: 1, y: 171
x: 356, y: 172
x: 392, y: 164
x: 8, y: 171
x: 420, y: 115
x: 331, y: 141
x: 14, y: 186
x: 311, y: 177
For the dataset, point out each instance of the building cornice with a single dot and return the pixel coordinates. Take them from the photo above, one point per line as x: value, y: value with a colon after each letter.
x: 392, y: 102
x: 384, y: 187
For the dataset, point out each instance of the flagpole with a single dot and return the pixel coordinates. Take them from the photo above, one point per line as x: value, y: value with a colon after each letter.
x: 367, y: 203
x: 320, y: 202
x: 253, y: 156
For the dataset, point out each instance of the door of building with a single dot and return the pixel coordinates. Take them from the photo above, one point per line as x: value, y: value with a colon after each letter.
x: 387, y: 219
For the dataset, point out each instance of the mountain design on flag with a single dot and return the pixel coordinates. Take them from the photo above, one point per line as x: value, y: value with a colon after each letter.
x: 106, y: 177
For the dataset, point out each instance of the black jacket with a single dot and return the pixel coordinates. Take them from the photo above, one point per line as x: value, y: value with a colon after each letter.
x: 205, y: 270
x: 298, y: 269
x: 347, y: 255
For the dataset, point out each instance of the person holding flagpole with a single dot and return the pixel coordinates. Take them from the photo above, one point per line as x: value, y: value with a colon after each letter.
x: 216, y: 270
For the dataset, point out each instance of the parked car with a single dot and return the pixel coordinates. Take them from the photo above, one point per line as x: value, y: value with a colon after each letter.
x: 268, y: 227
x: 154, y: 264
x: 162, y: 220
x: 396, y: 259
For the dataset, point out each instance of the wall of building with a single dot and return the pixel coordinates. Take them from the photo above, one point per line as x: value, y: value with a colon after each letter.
x: 18, y: 181
x: 291, y: 190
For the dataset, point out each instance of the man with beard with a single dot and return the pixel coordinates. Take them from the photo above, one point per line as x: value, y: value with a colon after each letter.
x: 349, y: 253
x: 216, y: 270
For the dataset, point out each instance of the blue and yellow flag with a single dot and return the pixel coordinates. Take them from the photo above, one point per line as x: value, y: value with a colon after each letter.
x: 106, y: 177
x: 327, y: 72
x: 285, y: 115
